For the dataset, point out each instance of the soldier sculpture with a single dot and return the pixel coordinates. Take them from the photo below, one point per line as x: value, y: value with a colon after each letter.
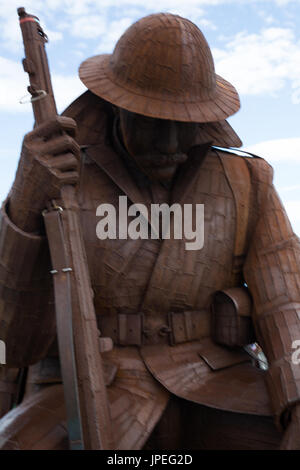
x: 173, y: 322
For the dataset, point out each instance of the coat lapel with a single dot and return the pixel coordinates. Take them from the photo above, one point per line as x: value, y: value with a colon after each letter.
x: 110, y: 162
x: 189, y: 172
x: 165, y: 266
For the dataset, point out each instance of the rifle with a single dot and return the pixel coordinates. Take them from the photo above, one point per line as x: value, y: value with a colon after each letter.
x: 88, y: 419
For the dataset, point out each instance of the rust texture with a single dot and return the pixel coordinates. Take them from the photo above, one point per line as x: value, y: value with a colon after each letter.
x: 177, y: 376
x: 162, y: 67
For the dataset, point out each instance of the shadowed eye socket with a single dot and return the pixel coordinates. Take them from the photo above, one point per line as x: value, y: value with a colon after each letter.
x: 187, y: 125
x: 187, y: 128
x: 148, y: 118
x: 145, y: 121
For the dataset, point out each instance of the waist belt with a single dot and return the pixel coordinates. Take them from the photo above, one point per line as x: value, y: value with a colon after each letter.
x: 139, y: 329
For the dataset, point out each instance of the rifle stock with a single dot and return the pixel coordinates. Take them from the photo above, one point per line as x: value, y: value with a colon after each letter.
x: 88, y: 417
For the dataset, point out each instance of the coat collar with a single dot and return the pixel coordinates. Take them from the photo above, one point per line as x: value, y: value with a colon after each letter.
x: 112, y: 161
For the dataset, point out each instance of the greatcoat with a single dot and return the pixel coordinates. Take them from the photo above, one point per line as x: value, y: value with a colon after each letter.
x: 145, y: 288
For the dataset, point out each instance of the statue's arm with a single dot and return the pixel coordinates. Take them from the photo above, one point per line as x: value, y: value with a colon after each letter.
x: 27, y: 316
x: 26, y: 309
x: 272, y: 273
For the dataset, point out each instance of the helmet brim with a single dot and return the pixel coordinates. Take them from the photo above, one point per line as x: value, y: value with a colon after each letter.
x: 96, y: 75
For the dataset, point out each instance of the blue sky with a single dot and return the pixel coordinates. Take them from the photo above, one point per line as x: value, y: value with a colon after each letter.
x: 255, y: 44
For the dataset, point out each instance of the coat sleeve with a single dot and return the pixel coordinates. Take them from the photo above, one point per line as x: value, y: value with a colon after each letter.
x: 27, y: 320
x: 272, y: 273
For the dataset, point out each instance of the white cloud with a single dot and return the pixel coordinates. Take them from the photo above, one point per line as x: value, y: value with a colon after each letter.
x: 284, y: 156
x: 54, y: 35
x: 262, y: 63
x: 13, y: 87
x: 10, y: 32
x: 268, y: 19
x: 296, y: 91
x: 115, y: 30
x: 293, y: 210
x: 286, y: 150
x: 88, y: 26
x: 283, y: 3
x: 294, y: 187
x: 66, y: 89
x: 91, y: 18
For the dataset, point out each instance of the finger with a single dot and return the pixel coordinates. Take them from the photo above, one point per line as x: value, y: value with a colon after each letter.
x: 64, y: 162
x: 53, y: 126
x: 68, y: 177
x: 59, y: 145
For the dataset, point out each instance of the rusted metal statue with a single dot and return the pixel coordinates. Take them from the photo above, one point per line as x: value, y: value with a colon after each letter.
x: 152, y: 126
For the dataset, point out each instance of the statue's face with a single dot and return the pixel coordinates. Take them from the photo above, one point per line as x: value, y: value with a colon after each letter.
x: 158, y: 146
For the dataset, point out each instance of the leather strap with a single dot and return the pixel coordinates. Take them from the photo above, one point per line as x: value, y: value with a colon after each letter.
x: 238, y: 176
x: 138, y: 329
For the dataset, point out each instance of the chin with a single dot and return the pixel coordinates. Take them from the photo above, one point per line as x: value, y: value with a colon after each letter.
x: 162, y: 174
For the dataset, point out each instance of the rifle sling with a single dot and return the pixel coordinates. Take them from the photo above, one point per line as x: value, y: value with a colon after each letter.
x: 64, y: 325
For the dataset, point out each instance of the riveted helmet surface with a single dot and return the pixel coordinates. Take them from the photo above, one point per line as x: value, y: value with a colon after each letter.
x: 162, y: 67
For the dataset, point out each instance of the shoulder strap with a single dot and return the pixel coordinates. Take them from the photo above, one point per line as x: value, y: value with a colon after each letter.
x: 238, y: 152
x: 238, y: 176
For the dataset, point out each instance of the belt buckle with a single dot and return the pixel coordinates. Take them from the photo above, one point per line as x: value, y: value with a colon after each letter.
x: 175, y: 329
x: 166, y: 330
x: 154, y: 335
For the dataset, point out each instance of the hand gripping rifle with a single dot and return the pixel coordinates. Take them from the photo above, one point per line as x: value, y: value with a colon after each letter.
x: 88, y: 418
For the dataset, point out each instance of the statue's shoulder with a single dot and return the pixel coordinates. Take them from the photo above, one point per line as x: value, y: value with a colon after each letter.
x: 91, y: 114
x: 261, y: 172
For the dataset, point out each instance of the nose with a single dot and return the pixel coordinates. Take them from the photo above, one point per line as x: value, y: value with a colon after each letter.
x: 167, y: 136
